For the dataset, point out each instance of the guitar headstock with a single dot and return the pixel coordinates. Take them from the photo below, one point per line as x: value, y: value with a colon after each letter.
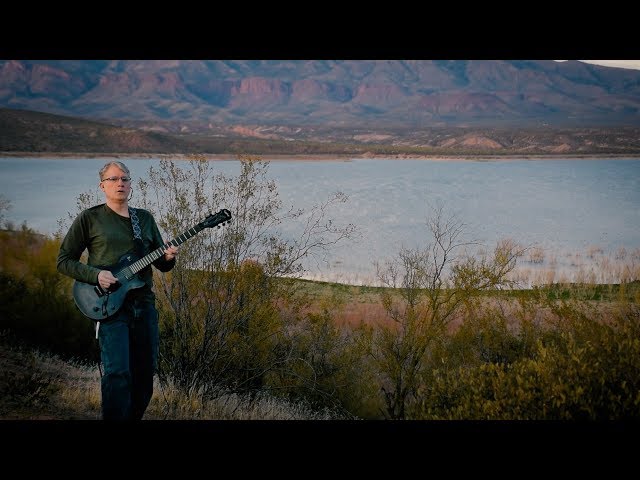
x: 217, y: 219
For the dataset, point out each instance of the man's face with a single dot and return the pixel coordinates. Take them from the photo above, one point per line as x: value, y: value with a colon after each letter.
x: 113, y: 185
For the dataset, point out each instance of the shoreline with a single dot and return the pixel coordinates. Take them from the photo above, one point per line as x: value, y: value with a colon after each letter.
x: 321, y: 157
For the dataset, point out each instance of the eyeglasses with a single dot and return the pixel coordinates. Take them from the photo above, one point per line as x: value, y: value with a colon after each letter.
x: 115, y: 179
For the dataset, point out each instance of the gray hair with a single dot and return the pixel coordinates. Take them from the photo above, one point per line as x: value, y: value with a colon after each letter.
x: 120, y: 165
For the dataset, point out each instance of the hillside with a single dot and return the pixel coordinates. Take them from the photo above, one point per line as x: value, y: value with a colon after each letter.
x: 24, y: 131
x: 27, y: 131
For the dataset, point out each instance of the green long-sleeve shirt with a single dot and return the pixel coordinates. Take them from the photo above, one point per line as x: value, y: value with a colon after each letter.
x: 108, y: 236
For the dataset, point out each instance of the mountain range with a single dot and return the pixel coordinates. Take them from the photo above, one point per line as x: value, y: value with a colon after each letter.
x: 202, y: 95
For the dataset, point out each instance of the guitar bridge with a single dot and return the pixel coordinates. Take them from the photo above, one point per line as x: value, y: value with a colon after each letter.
x: 98, y: 290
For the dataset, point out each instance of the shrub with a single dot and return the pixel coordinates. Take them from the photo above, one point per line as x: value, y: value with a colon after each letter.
x: 589, y: 370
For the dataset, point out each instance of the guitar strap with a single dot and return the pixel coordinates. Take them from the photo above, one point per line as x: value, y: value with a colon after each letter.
x: 137, y: 233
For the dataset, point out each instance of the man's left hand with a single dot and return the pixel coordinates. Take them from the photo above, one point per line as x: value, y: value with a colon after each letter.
x: 170, y: 253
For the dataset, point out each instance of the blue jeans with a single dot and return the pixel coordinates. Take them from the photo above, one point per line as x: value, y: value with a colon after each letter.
x: 129, y: 352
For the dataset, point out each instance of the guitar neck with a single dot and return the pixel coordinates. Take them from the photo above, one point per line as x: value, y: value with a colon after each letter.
x: 148, y: 259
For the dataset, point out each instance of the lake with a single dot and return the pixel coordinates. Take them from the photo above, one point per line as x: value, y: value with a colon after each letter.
x: 578, y: 212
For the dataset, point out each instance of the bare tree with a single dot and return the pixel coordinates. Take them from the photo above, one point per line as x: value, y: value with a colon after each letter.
x: 428, y: 286
x: 225, y: 305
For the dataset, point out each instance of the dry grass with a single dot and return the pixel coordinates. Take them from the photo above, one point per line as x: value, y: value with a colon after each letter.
x: 539, y: 266
x: 369, y: 313
x: 168, y: 403
x: 594, y: 265
x: 39, y: 386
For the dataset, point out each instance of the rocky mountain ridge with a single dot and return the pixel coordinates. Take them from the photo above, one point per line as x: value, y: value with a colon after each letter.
x: 338, y: 94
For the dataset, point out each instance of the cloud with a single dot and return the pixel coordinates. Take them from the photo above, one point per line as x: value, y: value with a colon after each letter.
x: 635, y: 64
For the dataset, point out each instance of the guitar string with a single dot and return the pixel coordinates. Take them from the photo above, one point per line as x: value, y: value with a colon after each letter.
x: 128, y: 271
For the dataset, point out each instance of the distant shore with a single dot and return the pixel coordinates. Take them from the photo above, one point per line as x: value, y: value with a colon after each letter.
x: 320, y: 157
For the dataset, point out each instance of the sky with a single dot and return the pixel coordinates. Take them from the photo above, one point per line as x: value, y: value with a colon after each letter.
x: 616, y: 63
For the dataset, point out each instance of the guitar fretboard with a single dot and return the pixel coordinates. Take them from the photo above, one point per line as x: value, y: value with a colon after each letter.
x: 148, y: 259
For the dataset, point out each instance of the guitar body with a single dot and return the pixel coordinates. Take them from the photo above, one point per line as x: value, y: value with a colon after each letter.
x: 98, y: 304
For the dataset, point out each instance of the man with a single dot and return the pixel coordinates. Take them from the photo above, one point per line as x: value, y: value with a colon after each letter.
x: 128, y: 338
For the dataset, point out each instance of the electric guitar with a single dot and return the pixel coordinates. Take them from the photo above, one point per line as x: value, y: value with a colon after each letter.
x: 97, y: 303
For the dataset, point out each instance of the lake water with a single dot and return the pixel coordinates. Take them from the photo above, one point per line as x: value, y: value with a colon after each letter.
x: 577, y: 211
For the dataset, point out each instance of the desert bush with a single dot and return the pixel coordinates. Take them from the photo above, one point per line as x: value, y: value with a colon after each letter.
x: 327, y: 367
x: 588, y: 368
x: 485, y: 337
x: 36, y: 302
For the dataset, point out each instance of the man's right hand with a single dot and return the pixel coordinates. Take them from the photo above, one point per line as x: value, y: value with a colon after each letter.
x: 106, y: 279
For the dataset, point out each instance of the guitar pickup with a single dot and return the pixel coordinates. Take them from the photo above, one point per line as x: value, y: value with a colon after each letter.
x: 98, y: 290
